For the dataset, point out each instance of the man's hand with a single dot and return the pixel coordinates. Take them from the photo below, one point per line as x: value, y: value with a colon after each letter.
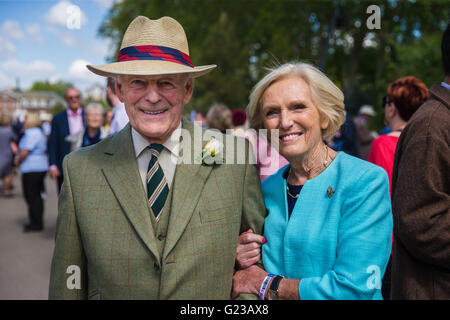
x: 248, y: 250
x: 54, y: 172
x: 248, y: 281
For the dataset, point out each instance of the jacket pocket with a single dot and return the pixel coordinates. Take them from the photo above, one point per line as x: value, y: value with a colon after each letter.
x: 207, y: 216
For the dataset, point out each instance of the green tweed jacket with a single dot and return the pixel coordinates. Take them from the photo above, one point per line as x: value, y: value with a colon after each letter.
x: 105, y: 237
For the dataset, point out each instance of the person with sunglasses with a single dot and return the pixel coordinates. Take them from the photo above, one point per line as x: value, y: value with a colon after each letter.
x: 64, y: 123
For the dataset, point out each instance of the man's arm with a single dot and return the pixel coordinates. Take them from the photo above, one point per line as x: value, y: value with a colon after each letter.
x: 253, y: 208
x: 52, y: 149
x: 68, y: 277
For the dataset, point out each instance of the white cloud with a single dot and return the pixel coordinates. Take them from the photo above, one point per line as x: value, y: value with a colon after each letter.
x: 63, y: 14
x: 26, y: 72
x: 7, y: 49
x: 34, y: 68
x: 80, y: 76
x: 11, y: 29
x: 6, y: 81
x: 34, y: 31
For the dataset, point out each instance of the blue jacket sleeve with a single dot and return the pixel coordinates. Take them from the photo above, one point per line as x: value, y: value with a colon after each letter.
x: 364, y: 243
x: 53, y: 142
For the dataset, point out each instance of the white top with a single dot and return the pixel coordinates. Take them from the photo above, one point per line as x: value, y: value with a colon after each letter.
x: 167, y: 159
x: 120, y: 119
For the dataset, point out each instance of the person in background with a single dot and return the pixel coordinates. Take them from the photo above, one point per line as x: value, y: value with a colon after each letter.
x: 7, y: 144
x: 94, y: 131
x: 239, y: 118
x: 33, y: 163
x: 328, y: 230
x: 109, y: 114
x: 421, y: 197
x: 64, y: 123
x: 200, y: 120
x: 268, y: 160
x: 219, y: 117
x: 405, y: 96
x: 120, y: 117
x: 364, y: 136
x: 345, y: 137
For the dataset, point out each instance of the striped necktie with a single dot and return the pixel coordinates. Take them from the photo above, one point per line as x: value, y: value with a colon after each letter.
x: 157, y: 187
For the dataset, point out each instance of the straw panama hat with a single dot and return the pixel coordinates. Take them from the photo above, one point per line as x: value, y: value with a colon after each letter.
x: 152, y: 47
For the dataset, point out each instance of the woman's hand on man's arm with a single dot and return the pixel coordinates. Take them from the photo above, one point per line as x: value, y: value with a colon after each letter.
x: 248, y: 251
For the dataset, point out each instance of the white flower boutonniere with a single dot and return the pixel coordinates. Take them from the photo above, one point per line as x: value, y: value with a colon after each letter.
x: 211, y: 152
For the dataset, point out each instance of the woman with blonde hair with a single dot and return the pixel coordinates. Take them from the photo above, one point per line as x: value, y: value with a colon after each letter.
x: 33, y: 163
x: 327, y: 233
x: 94, y: 131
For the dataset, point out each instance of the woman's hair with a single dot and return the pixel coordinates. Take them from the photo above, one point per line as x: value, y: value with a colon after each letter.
x: 328, y: 98
x: 219, y: 117
x: 5, y: 120
x: 94, y: 106
x: 408, y: 94
x: 32, y: 119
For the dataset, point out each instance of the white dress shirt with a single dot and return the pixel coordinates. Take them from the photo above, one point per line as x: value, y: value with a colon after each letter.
x: 120, y: 119
x: 167, y: 159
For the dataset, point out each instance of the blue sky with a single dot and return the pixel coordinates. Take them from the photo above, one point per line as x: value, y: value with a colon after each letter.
x: 40, y: 40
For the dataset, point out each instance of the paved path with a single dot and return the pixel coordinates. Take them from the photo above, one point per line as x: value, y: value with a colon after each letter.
x: 25, y: 258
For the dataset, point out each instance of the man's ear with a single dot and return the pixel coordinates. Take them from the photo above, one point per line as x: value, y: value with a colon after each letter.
x: 119, y: 91
x: 189, y: 87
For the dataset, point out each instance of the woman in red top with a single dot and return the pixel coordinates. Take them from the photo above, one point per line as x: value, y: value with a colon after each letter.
x: 405, y: 96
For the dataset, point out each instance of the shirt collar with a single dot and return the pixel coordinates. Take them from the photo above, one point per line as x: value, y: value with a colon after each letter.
x: 445, y: 85
x: 71, y: 114
x: 172, y: 144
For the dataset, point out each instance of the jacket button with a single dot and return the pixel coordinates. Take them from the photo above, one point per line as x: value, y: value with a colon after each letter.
x: 161, y: 237
x: 156, y: 266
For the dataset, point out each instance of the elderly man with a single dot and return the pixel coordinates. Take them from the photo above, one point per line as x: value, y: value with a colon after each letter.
x: 64, y: 123
x: 133, y: 223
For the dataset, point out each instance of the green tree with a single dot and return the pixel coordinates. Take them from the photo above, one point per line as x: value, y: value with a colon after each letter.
x: 244, y: 38
x: 58, y: 87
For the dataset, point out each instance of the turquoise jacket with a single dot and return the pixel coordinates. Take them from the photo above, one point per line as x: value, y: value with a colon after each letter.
x: 338, y: 244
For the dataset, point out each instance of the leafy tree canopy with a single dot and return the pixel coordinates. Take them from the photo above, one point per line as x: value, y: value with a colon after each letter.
x: 244, y: 38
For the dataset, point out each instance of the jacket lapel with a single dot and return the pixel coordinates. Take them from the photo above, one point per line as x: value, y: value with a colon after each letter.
x: 187, y: 186
x: 122, y: 174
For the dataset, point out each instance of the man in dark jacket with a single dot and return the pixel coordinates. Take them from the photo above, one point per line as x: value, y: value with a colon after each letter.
x: 64, y: 123
x: 421, y: 197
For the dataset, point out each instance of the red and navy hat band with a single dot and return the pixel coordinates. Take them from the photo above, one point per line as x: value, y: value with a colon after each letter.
x: 154, y: 53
